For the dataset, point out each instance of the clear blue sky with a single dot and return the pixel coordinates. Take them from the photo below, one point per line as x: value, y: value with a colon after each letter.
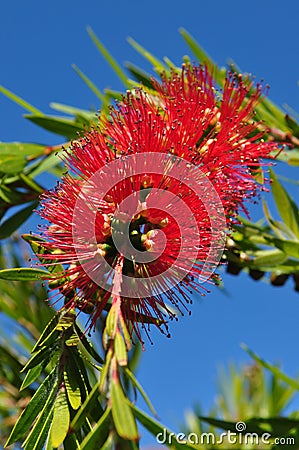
x: 40, y: 41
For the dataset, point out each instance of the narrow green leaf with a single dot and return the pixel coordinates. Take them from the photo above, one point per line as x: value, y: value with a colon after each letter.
x: 275, y: 112
x: 33, y: 185
x: 273, y: 369
x: 33, y: 407
x: 294, y: 126
x: 279, y: 228
x: 32, y: 375
x: 42, y: 355
x: 38, y: 440
x: 88, y: 346
x: 26, y: 150
x: 286, y: 207
x: 36, y: 243
x: 120, y: 350
x: 72, y: 341
x: 61, y: 419
x: 157, y: 64
x: 15, y: 98
x: 89, y: 83
x: 58, y: 125
x: 111, y: 321
x: 10, y: 196
x: 81, y: 373
x: 47, y: 164
x: 114, y: 95
x: 291, y: 248
x: 23, y: 274
x: 73, y: 111
x: 160, y: 431
x: 85, y: 408
x: 203, y: 57
x: 98, y: 435
x: 66, y: 320
x: 72, y: 385
x: 140, y: 75
x: 277, y: 426
x: 11, y: 164
x: 141, y: 390
x: 105, y: 369
x: 109, y: 58
x: 38, y: 433
x: 258, y: 174
x: 71, y: 442
x: 16, y: 220
x: 45, y: 337
x: 122, y: 414
x: 269, y: 258
x: 108, y: 445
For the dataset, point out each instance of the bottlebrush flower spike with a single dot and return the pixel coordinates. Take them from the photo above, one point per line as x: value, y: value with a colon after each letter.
x: 154, y: 186
x: 191, y: 119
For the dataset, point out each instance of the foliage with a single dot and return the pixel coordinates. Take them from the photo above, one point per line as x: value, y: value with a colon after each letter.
x: 70, y: 394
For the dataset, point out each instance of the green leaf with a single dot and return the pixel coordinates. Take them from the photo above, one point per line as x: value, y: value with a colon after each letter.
x: 122, y: 414
x: 98, y: 435
x: 109, y: 58
x: 88, y: 404
x: 32, y: 375
x: 280, y: 228
x: 269, y: 258
x: 140, y: 75
x: 36, y: 243
x: 160, y: 431
x: 10, y: 163
x: 35, y: 187
x: 120, y: 350
x: 16, y: 220
x: 273, y: 369
x: 203, y: 57
x: 291, y: 248
x: 81, y: 373
x: 10, y: 196
x: 58, y: 125
x: 72, y: 385
x: 105, y: 369
x: 41, y: 356
x: 38, y: 434
x: 136, y: 383
x: 15, y: 98
x: 41, y: 433
x: 88, y: 346
x: 23, y: 274
x: 293, y: 125
x: 49, y: 332
x: 157, y: 64
x: 33, y: 407
x: 89, y: 83
x: 61, y: 419
x: 286, y: 207
x: 108, y: 445
x: 66, y: 320
x: 73, y: 111
x: 258, y: 174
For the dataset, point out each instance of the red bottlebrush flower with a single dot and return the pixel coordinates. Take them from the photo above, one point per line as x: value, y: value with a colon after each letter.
x: 191, y: 119
x: 154, y: 188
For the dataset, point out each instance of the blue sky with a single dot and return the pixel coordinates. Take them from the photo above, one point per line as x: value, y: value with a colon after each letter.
x: 40, y: 41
